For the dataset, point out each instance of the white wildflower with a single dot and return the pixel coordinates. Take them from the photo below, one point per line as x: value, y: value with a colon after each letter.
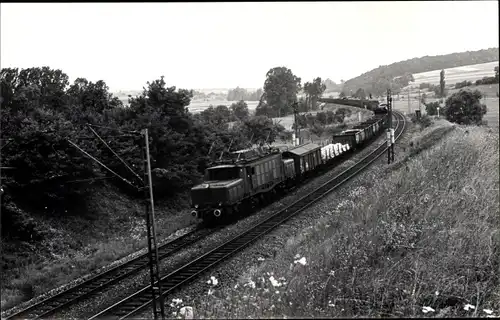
x: 436, y: 293
x: 330, y: 304
x: 302, y: 261
x: 177, y: 301
x: 277, y: 292
x: 266, y: 290
x: 213, y: 281
x: 488, y: 311
x: 468, y: 307
x: 260, y: 259
x: 236, y: 286
x: 187, y: 312
x: 296, y: 256
x: 210, y: 292
x: 427, y: 309
x: 331, y: 273
x: 274, y: 282
x: 250, y: 283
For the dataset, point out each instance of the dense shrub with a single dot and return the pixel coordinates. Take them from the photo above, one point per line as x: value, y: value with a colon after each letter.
x: 464, y: 107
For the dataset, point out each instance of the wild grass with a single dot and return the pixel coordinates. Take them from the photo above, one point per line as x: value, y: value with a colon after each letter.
x: 422, y: 241
x: 77, y: 247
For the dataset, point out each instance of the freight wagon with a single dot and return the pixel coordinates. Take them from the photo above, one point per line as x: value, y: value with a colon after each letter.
x: 252, y: 177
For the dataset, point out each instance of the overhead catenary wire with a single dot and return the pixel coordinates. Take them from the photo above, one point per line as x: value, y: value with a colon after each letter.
x: 119, y: 158
x: 104, y: 127
x: 102, y: 164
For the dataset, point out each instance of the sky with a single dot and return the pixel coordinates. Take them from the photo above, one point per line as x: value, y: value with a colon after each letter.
x: 224, y: 44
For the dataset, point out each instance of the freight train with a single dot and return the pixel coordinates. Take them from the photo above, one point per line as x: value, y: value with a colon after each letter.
x: 252, y: 177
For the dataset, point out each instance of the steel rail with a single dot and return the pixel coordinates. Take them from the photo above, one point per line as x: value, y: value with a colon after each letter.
x: 137, y: 302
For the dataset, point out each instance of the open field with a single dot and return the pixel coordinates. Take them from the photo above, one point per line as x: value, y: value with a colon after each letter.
x: 458, y: 74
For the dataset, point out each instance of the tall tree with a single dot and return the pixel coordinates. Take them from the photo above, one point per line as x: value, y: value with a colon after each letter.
x: 441, y: 84
x: 280, y: 89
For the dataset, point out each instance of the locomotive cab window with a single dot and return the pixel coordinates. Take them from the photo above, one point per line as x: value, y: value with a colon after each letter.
x: 223, y: 173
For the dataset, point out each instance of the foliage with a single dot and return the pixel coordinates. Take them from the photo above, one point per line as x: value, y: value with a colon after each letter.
x: 431, y: 108
x: 238, y: 94
x: 240, y: 110
x: 464, y: 107
x: 313, y: 91
x: 261, y: 129
x: 379, y: 80
x: 463, y: 84
x: 342, y: 94
x: 280, y: 90
x: 441, y: 84
x: 424, y: 121
x: 360, y: 93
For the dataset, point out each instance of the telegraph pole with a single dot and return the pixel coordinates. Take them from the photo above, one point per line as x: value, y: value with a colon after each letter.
x: 295, y: 110
x: 154, y: 267
x: 390, y: 131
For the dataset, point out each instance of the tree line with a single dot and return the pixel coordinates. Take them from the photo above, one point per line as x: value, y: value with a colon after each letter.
x: 43, y: 113
x: 238, y: 94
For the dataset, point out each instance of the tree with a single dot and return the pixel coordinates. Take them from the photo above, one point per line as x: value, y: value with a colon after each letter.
x: 240, y: 110
x: 464, y: 107
x: 342, y: 94
x: 313, y: 91
x: 280, y: 89
x: 441, y: 84
x: 321, y: 117
x: 261, y: 128
x: 360, y: 93
x: 431, y: 108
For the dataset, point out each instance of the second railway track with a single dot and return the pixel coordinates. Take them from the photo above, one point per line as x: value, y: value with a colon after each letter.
x: 137, y: 302
x: 49, y: 306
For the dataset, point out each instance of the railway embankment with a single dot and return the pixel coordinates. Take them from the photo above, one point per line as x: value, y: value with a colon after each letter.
x: 65, y: 251
x: 419, y: 237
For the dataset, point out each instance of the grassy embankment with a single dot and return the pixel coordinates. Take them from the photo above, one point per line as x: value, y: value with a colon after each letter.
x: 425, y: 235
x: 75, y: 246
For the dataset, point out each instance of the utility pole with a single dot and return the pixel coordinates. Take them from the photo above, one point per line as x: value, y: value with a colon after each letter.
x: 295, y: 111
x: 154, y: 267
x: 390, y: 131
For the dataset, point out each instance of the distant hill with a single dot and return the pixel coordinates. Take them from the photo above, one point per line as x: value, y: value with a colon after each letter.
x: 378, y: 80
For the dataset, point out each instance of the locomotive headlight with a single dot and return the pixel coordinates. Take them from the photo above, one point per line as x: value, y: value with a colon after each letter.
x: 196, y: 206
x: 220, y: 204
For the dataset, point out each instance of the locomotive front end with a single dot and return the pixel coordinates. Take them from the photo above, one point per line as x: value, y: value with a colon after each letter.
x: 217, y: 195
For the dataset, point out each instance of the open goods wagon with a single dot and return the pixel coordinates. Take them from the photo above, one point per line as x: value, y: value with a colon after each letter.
x: 255, y: 176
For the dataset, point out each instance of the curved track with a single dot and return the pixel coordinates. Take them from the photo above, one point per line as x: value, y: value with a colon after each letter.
x: 105, y: 279
x: 138, y: 301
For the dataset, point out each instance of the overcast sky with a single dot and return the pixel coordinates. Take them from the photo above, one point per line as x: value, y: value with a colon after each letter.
x: 224, y: 45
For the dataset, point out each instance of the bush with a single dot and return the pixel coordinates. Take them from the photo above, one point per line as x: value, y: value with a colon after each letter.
x: 431, y: 108
x: 464, y: 107
x: 424, y: 121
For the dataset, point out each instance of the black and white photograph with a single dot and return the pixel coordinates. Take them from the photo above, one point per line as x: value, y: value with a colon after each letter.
x: 249, y: 160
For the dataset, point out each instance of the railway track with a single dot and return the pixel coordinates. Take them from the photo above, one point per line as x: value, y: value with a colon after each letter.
x: 137, y: 302
x: 103, y: 280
